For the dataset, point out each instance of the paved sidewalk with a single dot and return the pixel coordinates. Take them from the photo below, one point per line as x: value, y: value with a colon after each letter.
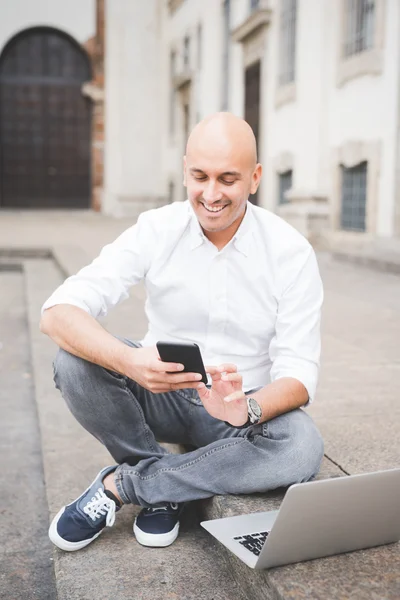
x: 357, y: 409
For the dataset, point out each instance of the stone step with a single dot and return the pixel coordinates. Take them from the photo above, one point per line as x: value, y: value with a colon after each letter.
x: 26, y: 564
x: 71, y: 458
x: 114, y: 567
x: 278, y: 583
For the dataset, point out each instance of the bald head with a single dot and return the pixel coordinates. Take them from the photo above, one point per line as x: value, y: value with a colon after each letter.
x: 220, y: 172
x: 225, y: 134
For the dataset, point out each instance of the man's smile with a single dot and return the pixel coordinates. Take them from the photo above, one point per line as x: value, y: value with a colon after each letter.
x: 213, y: 209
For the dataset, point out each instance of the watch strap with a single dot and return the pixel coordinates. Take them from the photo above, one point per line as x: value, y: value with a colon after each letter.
x: 248, y: 422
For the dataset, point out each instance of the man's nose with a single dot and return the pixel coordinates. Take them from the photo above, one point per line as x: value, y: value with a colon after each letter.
x: 212, y: 192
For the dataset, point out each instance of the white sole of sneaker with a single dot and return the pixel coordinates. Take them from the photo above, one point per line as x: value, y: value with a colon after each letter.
x: 154, y: 540
x: 64, y: 544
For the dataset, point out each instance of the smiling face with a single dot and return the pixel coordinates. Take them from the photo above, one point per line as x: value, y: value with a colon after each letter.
x: 220, y: 171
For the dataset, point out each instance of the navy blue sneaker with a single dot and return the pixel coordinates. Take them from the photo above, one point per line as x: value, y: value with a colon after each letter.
x: 158, y: 526
x: 79, y: 523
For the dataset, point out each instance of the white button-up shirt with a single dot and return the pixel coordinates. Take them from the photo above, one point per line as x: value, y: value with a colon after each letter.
x: 256, y: 303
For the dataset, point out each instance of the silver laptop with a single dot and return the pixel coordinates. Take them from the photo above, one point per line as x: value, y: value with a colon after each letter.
x: 317, y: 519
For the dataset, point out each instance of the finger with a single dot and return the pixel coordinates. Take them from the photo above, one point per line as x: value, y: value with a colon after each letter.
x: 166, y: 382
x: 181, y: 378
x: 236, y: 377
x: 211, y: 369
x: 227, y: 368
x: 165, y: 367
x: 216, y: 376
x: 235, y: 396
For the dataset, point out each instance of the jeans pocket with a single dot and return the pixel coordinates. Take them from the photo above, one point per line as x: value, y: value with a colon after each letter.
x: 190, y: 395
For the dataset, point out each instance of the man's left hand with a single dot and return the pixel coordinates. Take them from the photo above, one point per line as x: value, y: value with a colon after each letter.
x: 225, y: 400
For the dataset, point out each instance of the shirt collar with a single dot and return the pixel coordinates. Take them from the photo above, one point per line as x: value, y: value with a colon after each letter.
x: 197, y: 236
x: 241, y: 239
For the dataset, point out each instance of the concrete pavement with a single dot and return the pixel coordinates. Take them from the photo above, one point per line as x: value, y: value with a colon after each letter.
x: 26, y: 554
x: 357, y: 409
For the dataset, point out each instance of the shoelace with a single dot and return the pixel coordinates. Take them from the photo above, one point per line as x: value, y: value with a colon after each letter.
x: 99, y: 505
x: 172, y: 505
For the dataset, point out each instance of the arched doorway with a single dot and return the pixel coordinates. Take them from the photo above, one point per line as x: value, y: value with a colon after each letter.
x: 45, y: 122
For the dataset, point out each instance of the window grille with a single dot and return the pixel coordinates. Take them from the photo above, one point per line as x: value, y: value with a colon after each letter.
x: 285, y: 184
x: 186, y: 51
x: 354, y: 196
x: 288, y: 20
x: 359, y: 26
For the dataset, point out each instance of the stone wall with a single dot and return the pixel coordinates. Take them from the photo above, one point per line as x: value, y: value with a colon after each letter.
x: 95, y: 91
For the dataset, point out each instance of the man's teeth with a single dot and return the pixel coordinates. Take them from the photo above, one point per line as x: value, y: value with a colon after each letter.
x: 211, y: 209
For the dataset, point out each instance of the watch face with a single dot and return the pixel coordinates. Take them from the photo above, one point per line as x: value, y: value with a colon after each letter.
x: 255, y: 408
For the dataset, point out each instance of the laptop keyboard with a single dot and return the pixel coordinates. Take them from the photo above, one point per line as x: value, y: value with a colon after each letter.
x: 253, y: 541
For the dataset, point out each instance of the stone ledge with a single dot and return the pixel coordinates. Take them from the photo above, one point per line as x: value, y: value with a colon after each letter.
x: 307, y: 212
x: 378, y: 263
x: 258, y: 19
x: 173, y: 5
x: 263, y: 584
x: 190, y: 569
x: 22, y: 253
x: 381, y: 254
x: 369, y: 62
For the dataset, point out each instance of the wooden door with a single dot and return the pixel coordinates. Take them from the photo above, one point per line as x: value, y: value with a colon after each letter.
x: 252, y: 106
x: 45, y: 122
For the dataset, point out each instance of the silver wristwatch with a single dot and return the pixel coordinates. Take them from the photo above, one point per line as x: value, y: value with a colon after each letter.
x: 254, y: 412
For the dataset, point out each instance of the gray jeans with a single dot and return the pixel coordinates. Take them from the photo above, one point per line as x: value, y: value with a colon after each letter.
x: 131, y: 421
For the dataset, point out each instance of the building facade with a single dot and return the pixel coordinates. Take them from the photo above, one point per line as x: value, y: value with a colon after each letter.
x: 318, y: 82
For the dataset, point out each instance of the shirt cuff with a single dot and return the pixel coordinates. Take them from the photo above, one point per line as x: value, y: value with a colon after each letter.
x: 306, y: 373
x: 56, y: 299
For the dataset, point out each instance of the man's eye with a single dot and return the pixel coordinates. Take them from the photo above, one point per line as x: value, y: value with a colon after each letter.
x: 200, y: 178
x: 227, y: 182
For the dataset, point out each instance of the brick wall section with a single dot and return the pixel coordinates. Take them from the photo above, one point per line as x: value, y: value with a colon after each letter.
x: 95, y: 91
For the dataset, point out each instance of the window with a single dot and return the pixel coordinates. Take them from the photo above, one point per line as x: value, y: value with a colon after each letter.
x: 254, y: 4
x: 359, y: 26
x: 285, y: 184
x: 287, y: 41
x: 354, y: 195
x: 186, y: 52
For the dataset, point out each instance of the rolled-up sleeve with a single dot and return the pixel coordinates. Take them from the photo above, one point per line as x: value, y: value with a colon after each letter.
x: 295, y: 349
x: 106, y: 281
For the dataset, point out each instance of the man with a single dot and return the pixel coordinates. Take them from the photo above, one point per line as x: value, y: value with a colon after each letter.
x: 242, y: 284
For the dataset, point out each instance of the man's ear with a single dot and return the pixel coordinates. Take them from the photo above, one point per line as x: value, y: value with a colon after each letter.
x: 256, y: 178
x: 184, y: 171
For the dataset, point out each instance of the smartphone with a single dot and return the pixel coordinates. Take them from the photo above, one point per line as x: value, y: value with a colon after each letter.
x: 186, y: 353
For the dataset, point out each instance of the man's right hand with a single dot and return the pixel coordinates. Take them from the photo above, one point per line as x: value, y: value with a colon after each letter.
x: 148, y: 370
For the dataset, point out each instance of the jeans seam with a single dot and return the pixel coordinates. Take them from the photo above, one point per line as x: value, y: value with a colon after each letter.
x: 118, y: 478
x: 152, y: 447
x: 182, y: 467
x: 188, y: 398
